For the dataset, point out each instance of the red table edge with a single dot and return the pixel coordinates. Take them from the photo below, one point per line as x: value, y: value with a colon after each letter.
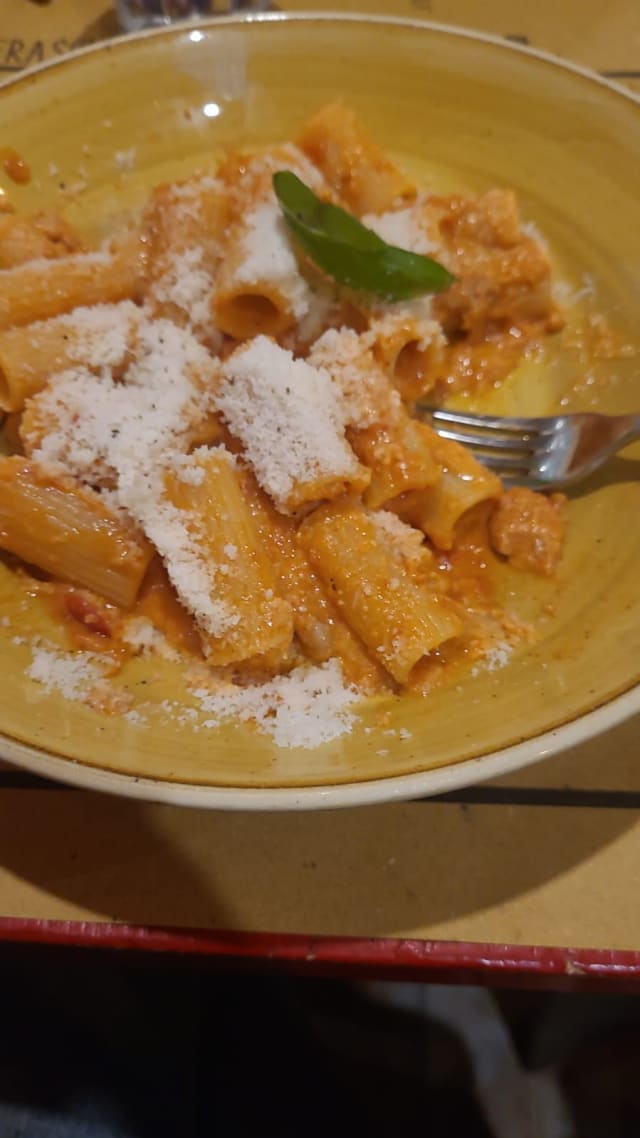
x: 350, y: 957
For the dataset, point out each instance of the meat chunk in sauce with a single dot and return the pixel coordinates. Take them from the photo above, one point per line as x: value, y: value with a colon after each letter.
x: 528, y: 529
x: 502, y: 300
x: 504, y: 273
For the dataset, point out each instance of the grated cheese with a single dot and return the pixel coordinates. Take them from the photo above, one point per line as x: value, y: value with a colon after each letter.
x: 393, y: 527
x: 187, y: 283
x: 126, y: 159
x: 498, y: 656
x: 192, y: 576
x: 534, y: 232
x: 305, y: 708
x: 411, y: 317
x: 103, y: 429
x: 190, y: 192
x: 309, y: 706
x: 185, y: 278
x: 402, y: 228
x: 266, y: 254
x: 566, y: 294
x: 188, y: 470
x: 140, y: 634
x: 288, y: 416
x: 135, y: 717
x: 126, y: 434
x: 101, y: 332
x: 495, y: 657
x: 365, y: 392
x: 73, y: 675
x: 288, y: 156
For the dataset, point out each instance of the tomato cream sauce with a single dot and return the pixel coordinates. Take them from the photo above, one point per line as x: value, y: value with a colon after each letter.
x: 15, y: 166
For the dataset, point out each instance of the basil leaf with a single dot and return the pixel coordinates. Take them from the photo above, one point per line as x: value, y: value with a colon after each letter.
x: 346, y: 250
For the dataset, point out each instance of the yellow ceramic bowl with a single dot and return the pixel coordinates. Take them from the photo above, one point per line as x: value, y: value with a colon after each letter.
x: 462, y: 111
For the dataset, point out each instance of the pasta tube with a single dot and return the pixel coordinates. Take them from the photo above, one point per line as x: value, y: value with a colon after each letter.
x: 319, y: 626
x: 94, y: 337
x: 464, y: 483
x: 290, y: 421
x: 409, y: 350
x: 259, y: 287
x: 399, y: 456
x: 399, y: 618
x: 503, y: 273
x: 355, y: 168
x: 68, y: 531
x: 46, y: 235
x: 394, y: 447
x: 222, y: 535
x: 38, y: 290
x: 183, y: 224
x: 158, y: 602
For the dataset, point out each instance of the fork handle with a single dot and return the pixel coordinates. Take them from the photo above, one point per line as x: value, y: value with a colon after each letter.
x: 634, y: 427
x: 629, y: 430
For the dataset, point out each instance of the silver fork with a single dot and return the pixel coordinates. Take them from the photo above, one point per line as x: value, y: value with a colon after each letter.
x: 544, y: 454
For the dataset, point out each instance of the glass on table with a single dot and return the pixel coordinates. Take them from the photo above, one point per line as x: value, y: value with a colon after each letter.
x: 136, y: 14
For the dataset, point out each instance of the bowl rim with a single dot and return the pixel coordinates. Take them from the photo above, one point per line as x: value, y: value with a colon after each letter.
x: 399, y: 788
x: 209, y: 23
x: 436, y: 781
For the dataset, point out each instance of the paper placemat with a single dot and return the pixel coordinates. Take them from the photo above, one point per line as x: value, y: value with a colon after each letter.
x: 601, y: 34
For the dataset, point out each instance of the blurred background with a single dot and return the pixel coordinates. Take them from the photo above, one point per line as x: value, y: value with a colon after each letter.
x: 99, y: 1044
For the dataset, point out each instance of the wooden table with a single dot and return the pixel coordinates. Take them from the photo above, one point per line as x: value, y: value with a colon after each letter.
x: 530, y: 879
x: 458, y: 887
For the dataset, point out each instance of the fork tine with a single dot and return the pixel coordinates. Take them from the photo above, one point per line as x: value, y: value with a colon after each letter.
x: 525, y: 444
x: 490, y: 422
x: 527, y: 480
x: 544, y: 453
x: 518, y: 466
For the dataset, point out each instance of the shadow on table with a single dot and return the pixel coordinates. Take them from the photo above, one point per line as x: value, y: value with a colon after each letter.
x: 104, y: 855
x: 385, y: 870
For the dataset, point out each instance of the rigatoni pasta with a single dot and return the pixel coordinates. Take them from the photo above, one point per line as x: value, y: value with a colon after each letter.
x: 321, y: 630
x: 45, y: 236
x: 259, y: 288
x: 399, y: 618
x: 68, y: 531
x: 94, y: 337
x: 463, y: 484
x: 289, y: 419
x: 206, y: 492
x: 356, y: 168
x: 38, y: 290
x: 183, y: 227
x: 213, y: 435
